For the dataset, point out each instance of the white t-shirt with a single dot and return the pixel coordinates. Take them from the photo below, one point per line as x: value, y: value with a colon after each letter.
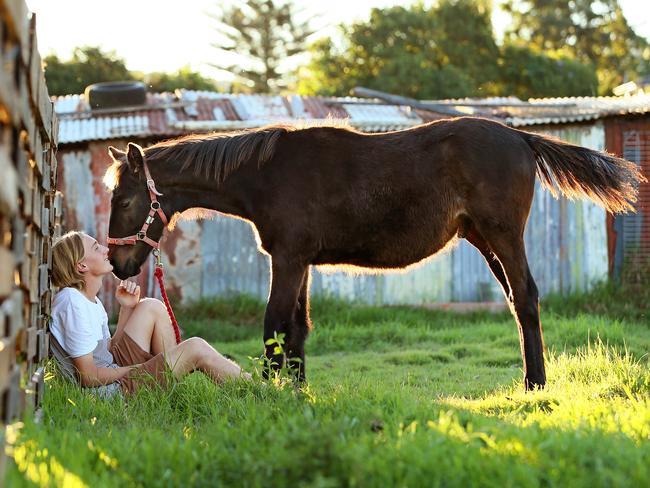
x: 81, y: 326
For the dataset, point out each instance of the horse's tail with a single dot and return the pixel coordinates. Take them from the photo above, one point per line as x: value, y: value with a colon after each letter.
x: 580, y: 172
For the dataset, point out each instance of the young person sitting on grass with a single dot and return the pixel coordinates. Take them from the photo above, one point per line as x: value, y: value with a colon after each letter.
x: 143, y: 348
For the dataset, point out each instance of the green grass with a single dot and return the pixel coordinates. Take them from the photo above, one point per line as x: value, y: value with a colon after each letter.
x: 397, y: 397
x: 627, y: 300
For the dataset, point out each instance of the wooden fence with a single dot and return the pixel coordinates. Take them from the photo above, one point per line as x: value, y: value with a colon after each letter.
x: 29, y: 215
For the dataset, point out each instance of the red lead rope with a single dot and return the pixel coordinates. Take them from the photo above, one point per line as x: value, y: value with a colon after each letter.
x: 158, y: 273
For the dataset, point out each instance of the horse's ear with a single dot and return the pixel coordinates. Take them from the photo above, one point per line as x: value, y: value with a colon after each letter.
x: 135, y: 157
x: 115, y: 152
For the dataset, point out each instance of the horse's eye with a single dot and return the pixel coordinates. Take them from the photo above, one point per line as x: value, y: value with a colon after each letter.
x: 124, y: 203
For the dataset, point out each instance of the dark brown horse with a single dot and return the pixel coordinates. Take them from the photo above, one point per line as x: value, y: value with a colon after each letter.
x: 331, y: 195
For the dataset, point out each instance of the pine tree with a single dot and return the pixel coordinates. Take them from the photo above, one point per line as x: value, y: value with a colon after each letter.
x: 266, y: 34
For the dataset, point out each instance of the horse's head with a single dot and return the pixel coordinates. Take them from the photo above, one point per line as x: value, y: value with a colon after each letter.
x: 130, y: 206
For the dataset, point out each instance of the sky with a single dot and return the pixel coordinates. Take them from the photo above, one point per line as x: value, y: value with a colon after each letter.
x: 164, y: 35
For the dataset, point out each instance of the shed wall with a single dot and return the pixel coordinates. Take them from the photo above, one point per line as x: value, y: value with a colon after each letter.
x: 629, y: 234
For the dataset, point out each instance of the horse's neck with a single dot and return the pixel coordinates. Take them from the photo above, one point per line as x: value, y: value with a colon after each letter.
x: 189, y: 191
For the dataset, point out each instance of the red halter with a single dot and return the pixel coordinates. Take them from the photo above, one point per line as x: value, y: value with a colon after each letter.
x: 142, y: 236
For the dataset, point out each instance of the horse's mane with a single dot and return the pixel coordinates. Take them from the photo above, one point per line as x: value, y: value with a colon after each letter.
x: 219, y: 154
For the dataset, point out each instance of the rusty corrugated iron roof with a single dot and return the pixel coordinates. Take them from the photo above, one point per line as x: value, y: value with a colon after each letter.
x: 170, y: 114
x: 548, y: 111
x: 577, y: 109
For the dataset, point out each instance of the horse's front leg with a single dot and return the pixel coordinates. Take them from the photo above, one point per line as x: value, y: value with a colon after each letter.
x: 299, y: 331
x: 286, y: 281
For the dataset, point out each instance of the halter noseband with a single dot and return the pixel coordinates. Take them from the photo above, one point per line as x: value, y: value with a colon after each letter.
x: 154, y: 209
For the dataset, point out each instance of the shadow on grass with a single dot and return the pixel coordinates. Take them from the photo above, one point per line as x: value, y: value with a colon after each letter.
x: 241, y: 317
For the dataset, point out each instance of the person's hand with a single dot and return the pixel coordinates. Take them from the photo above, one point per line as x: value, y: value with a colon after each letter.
x: 128, y: 293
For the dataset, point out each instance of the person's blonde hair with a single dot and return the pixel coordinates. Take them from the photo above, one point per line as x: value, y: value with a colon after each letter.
x: 67, y: 251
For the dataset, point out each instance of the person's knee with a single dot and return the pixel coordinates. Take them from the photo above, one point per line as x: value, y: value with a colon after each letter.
x: 154, y: 306
x: 199, y: 350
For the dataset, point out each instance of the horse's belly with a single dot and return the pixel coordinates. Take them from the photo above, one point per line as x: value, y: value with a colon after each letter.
x: 394, y: 252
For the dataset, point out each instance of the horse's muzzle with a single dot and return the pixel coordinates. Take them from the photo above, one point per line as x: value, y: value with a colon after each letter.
x: 125, y: 271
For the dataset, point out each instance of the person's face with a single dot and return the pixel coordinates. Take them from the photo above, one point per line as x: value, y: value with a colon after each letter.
x: 95, y: 260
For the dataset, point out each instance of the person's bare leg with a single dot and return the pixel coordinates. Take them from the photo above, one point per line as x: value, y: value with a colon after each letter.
x: 163, y: 336
x: 196, y: 354
x: 149, y: 326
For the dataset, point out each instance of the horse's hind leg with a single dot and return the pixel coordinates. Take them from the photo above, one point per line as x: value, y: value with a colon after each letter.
x: 286, y: 281
x: 300, y: 330
x: 476, y: 239
x: 523, y: 300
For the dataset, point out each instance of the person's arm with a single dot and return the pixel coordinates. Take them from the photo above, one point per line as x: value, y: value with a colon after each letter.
x: 123, y: 318
x: 128, y: 296
x: 92, y: 375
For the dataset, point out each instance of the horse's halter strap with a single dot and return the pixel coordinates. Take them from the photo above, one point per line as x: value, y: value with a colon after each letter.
x: 154, y: 209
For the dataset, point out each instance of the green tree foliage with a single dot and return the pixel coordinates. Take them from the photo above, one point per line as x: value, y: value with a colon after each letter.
x: 414, y: 51
x: 327, y: 73
x: 264, y: 33
x: 88, y: 65
x: 467, y: 39
x: 183, y: 78
x: 528, y: 73
x: 447, y: 51
x: 592, y: 31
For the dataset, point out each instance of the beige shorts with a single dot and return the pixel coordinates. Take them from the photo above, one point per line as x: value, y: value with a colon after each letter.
x: 152, y: 370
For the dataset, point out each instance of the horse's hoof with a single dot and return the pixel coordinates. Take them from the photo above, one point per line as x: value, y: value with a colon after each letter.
x: 533, y: 385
